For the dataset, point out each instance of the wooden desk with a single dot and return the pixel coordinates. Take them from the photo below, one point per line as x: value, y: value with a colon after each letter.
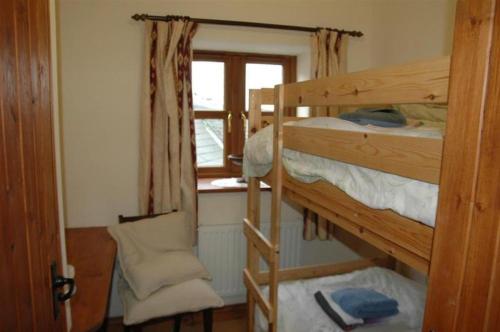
x: 92, y: 252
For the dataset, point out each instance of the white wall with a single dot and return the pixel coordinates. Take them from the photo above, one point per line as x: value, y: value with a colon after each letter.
x: 417, y: 29
x: 230, y: 208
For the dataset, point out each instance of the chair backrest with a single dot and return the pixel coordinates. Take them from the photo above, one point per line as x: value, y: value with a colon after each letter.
x: 122, y: 219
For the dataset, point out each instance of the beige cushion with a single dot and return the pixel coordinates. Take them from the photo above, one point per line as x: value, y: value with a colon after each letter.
x: 142, y: 252
x: 163, y: 233
x: 166, y: 269
x: 189, y: 296
x: 425, y: 112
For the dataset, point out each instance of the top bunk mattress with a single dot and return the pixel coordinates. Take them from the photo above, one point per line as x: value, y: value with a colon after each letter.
x: 411, y: 198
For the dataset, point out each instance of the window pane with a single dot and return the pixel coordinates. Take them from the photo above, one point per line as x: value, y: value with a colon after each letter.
x: 209, y: 142
x: 259, y: 76
x: 208, y: 85
x: 303, y: 111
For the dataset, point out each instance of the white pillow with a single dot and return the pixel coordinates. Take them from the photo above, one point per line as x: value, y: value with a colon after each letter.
x: 166, y: 269
x: 190, y: 296
x: 142, y: 242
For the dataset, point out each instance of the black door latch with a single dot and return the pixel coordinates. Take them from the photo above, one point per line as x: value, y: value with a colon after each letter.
x: 57, y: 283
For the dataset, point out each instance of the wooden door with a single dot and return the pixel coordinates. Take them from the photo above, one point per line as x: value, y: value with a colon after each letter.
x: 29, y: 238
x: 464, y: 285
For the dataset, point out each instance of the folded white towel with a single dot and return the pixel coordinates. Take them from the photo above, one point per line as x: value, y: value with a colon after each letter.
x: 348, y: 319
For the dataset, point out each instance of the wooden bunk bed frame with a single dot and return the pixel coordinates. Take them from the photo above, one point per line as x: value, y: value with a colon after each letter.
x: 414, y: 157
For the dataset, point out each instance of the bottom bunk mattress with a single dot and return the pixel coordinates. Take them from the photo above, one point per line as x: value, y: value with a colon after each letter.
x: 379, y: 190
x: 298, y: 310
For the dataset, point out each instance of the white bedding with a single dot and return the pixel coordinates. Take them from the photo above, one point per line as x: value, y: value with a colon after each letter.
x: 379, y: 190
x: 299, y: 312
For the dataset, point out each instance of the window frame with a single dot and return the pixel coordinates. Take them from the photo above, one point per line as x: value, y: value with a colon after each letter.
x: 234, y: 102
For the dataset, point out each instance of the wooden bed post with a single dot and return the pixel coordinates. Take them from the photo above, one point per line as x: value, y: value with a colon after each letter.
x: 254, y: 112
x: 253, y: 203
x: 253, y: 215
x: 464, y: 283
x: 277, y: 179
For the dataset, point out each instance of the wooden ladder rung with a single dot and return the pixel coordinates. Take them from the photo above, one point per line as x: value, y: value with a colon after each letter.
x: 255, y: 292
x: 259, y: 241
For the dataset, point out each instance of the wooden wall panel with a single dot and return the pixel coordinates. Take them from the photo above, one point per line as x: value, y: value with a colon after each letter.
x: 29, y: 226
x: 14, y: 248
x: 463, y: 290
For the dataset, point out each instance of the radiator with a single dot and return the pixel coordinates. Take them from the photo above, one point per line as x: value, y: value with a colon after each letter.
x: 222, y: 249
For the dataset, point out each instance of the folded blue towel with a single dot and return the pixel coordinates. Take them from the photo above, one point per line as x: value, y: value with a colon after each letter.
x: 365, y: 303
x: 384, y: 117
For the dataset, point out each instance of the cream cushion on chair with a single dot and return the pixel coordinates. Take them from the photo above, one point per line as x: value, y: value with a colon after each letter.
x: 189, y: 296
x: 159, y: 234
x: 155, y: 252
x: 163, y: 270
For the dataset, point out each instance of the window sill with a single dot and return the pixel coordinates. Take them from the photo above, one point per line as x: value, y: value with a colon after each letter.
x: 205, y: 185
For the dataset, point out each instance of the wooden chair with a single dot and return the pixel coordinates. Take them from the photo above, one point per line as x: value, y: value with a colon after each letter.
x: 207, y: 313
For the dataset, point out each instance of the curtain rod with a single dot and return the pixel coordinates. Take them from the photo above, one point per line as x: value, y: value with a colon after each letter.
x: 143, y: 17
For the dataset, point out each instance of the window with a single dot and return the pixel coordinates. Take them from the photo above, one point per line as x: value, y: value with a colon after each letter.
x: 221, y: 81
x: 209, y: 102
x: 258, y: 75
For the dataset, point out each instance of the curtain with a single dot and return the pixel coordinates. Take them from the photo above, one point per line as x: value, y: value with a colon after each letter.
x: 328, y: 59
x: 167, y: 179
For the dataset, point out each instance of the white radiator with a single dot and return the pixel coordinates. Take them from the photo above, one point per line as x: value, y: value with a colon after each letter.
x: 222, y: 249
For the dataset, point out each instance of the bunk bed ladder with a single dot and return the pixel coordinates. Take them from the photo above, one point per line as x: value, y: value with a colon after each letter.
x: 257, y: 243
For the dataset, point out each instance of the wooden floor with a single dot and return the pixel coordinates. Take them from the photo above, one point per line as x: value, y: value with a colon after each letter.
x: 222, y: 326
x: 226, y: 319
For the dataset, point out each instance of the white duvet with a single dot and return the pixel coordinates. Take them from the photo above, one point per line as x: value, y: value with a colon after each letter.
x: 299, y: 312
x: 379, y: 190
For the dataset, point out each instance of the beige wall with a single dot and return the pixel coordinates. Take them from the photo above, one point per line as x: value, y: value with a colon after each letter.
x: 101, y: 65
x: 416, y: 29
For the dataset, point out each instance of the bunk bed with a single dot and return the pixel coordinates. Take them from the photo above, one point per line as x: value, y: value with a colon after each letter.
x: 419, y: 158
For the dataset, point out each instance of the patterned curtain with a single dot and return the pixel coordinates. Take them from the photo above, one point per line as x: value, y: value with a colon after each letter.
x: 328, y: 58
x: 167, y: 179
